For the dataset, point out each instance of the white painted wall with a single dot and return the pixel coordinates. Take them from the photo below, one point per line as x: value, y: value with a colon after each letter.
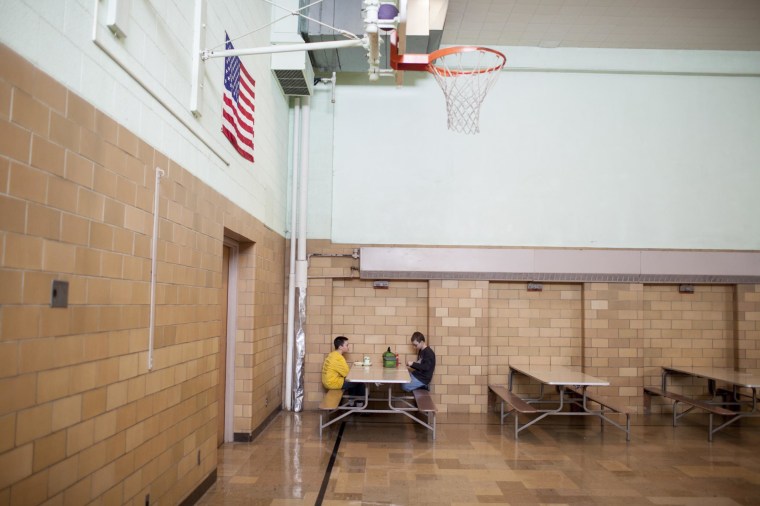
x: 56, y: 35
x: 322, y: 142
x: 582, y: 148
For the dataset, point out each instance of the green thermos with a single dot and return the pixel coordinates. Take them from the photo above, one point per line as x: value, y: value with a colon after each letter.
x: 389, y: 358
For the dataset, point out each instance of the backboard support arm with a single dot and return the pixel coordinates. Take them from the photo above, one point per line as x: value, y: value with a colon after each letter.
x: 284, y: 48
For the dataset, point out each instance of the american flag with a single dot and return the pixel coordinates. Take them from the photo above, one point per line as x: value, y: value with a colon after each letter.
x: 238, y: 106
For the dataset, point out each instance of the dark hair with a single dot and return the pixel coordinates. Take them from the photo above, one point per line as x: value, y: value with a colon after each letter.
x: 418, y: 337
x: 339, y: 341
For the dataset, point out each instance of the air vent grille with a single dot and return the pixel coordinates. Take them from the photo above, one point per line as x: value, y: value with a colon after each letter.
x: 292, y: 82
x: 289, y: 74
x: 560, y: 277
x: 293, y: 73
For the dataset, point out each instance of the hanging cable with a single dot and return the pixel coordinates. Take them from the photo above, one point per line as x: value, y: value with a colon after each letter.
x: 296, y: 12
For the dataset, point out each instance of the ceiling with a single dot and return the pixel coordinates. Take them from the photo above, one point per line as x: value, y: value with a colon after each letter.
x: 637, y: 24
x: 732, y: 25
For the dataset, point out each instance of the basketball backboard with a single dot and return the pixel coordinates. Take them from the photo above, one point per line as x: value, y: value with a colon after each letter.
x: 420, y: 28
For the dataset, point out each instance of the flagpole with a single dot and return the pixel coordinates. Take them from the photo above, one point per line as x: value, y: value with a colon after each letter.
x: 284, y: 48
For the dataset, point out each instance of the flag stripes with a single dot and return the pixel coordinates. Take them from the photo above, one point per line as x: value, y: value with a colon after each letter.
x: 238, y: 105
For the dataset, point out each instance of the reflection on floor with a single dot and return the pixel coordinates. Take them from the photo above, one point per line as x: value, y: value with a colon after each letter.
x: 385, y: 460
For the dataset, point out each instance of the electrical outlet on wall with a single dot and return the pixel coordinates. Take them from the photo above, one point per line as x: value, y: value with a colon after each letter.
x: 59, y: 295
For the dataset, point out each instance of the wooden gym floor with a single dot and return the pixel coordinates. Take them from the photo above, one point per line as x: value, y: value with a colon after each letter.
x: 382, y: 459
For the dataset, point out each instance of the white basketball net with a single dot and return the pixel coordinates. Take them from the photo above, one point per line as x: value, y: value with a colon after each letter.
x: 466, y: 77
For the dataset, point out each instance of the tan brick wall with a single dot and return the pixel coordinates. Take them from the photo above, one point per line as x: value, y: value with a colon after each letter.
x: 748, y: 327
x: 379, y: 318
x: 375, y: 319
x: 688, y: 329
x: 620, y: 332
x: 459, y: 335
x: 612, y: 341
x: 81, y: 418
x: 372, y: 319
x: 533, y: 328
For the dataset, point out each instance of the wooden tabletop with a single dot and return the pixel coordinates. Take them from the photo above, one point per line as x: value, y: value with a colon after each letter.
x: 376, y: 373
x: 724, y: 374
x: 559, y: 375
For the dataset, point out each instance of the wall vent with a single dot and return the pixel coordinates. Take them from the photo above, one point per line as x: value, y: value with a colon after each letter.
x: 293, y: 73
x: 561, y: 265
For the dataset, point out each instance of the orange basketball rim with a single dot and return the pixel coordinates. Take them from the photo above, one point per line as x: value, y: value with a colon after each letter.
x: 465, y: 74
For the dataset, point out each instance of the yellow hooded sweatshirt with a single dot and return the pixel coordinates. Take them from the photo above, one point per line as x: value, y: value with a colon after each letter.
x: 334, y: 371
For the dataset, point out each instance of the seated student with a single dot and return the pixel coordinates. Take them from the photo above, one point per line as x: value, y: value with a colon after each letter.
x: 335, y: 370
x: 423, y: 367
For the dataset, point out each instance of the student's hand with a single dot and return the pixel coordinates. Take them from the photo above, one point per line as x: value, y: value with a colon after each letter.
x: 409, y: 364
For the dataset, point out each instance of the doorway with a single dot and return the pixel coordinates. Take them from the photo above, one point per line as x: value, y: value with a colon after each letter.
x: 226, y: 355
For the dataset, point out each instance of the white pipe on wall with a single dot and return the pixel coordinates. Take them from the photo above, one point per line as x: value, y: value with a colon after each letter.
x: 302, y: 262
x: 303, y: 196
x: 153, y: 266
x: 289, y: 335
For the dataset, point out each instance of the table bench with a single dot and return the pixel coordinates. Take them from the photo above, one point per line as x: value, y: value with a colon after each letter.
x: 331, y: 400
x: 571, y: 384
x: 513, y: 400
x: 381, y: 377
x: 712, y: 409
x: 604, y: 404
x: 518, y: 405
x: 426, y: 405
x: 732, y: 397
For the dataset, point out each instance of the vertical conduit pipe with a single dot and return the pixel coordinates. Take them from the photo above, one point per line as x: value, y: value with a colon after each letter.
x: 153, y: 265
x: 304, y: 190
x: 301, y: 262
x: 289, y: 335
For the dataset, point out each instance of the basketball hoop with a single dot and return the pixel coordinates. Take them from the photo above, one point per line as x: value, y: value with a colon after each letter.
x: 465, y: 74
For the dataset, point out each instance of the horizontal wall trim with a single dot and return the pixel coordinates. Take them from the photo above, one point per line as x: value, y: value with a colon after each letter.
x: 566, y: 265
x: 565, y: 277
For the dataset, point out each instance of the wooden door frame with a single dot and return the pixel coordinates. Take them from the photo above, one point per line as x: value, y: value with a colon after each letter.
x: 229, y: 390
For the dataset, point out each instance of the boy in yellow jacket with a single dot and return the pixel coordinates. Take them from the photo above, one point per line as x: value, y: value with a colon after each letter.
x: 335, y: 369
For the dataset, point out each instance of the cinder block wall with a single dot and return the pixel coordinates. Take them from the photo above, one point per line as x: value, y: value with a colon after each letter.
x: 533, y: 328
x: 458, y: 332
x: 81, y: 417
x: 612, y: 348
x: 372, y: 319
x: 748, y: 325
x: 622, y: 332
x: 696, y: 329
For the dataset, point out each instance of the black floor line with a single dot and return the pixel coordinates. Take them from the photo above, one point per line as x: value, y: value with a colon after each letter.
x: 328, y: 471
